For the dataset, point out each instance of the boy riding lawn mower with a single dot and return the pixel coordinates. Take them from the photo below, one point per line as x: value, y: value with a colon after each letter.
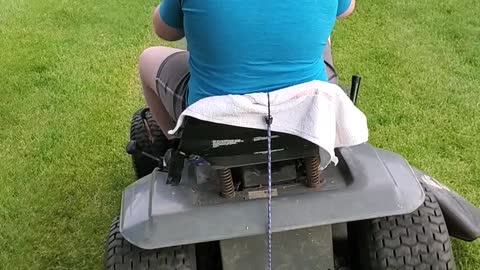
x: 201, y: 203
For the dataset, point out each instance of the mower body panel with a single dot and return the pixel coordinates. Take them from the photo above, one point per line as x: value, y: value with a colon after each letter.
x: 310, y: 248
x: 367, y: 183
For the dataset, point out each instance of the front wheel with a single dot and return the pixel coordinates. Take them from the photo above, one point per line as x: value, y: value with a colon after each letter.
x: 419, y: 240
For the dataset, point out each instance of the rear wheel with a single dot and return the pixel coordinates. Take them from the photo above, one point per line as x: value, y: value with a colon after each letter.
x: 419, y: 240
x: 150, y: 138
x: 121, y: 255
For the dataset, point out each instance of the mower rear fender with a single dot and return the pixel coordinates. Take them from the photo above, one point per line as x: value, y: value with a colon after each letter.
x: 367, y: 183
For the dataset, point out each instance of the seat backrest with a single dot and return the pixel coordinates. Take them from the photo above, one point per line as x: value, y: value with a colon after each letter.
x: 231, y: 146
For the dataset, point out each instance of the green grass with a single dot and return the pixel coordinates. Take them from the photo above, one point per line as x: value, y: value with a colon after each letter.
x: 69, y: 87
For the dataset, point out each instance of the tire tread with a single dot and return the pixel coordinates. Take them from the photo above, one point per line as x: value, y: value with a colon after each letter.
x: 415, y: 241
x: 151, y: 140
x: 121, y: 255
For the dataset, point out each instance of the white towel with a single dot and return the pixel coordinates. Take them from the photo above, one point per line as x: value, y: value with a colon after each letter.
x: 317, y: 111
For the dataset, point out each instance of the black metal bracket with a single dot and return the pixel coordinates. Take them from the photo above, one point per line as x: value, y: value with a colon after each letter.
x: 269, y: 119
x: 175, y: 161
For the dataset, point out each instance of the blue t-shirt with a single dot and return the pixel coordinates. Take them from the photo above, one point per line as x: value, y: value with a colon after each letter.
x: 248, y: 46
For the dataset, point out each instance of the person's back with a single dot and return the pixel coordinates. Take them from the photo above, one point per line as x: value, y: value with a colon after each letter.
x: 243, y: 46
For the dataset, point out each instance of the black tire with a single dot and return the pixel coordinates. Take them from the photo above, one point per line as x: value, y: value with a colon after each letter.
x: 419, y: 240
x: 121, y: 255
x: 150, y: 138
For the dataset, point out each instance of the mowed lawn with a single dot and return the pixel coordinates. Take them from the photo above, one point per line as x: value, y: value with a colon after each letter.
x: 68, y: 88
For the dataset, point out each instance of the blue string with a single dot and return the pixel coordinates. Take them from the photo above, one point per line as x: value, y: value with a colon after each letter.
x: 269, y: 137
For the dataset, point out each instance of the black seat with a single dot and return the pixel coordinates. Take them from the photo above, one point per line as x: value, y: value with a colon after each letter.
x: 226, y: 147
x: 230, y: 146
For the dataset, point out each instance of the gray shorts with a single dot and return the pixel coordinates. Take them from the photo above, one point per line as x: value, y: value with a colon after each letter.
x: 172, y: 82
x: 174, y: 73
x: 328, y: 59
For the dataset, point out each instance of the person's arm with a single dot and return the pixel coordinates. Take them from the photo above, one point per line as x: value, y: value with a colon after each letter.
x: 168, y: 20
x: 345, y: 8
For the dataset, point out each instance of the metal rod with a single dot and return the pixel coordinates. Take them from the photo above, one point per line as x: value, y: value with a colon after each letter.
x: 152, y: 157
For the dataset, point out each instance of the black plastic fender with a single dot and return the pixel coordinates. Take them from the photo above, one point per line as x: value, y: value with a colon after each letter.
x: 462, y: 217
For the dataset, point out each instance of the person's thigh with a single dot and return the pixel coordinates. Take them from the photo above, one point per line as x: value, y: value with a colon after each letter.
x: 150, y: 61
x: 172, y: 82
x: 166, y: 72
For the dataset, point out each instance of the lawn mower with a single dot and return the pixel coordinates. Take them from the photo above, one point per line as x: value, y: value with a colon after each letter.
x: 201, y: 203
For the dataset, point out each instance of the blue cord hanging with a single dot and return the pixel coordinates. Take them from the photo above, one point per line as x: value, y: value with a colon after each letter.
x: 269, y: 121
